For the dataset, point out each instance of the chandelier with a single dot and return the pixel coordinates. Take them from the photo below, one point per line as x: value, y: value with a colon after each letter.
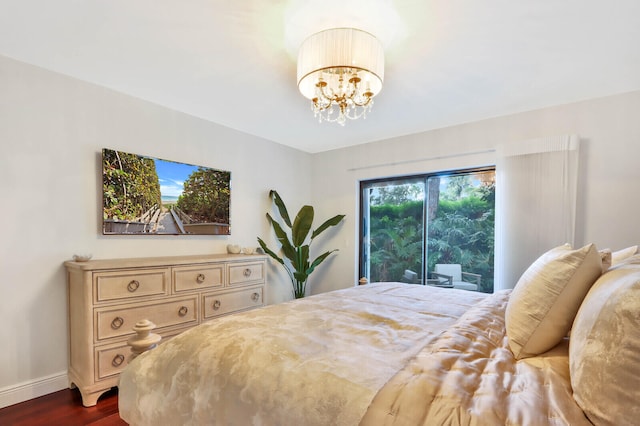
x: 340, y: 70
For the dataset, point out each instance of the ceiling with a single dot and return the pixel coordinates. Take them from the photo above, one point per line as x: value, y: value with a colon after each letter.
x: 233, y: 62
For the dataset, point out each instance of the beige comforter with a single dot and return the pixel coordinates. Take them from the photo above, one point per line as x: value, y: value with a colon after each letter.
x: 468, y: 376
x: 315, y: 361
x: 381, y: 354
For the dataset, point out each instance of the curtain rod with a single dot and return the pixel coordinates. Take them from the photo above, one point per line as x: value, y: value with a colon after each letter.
x: 418, y: 160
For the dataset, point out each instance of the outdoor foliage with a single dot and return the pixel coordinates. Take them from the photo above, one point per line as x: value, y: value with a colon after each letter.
x: 462, y: 231
x: 205, y: 197
x: 396, y: 240
x: 130, y: 185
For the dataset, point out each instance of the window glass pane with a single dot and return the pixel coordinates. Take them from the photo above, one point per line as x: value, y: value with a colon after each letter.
x: 460, y: 226
x: 410, y: 225
x: 394, y: 230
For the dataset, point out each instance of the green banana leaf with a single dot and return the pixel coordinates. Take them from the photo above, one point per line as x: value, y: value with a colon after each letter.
x: 293, y: 243
x: 284, y: 214
x: 302, y: 225
x: 328, y: 223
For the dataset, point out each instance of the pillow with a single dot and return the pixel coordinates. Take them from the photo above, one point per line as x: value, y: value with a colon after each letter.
x: 545, y: 300
x: 620, y: 255
x: 604, y: 349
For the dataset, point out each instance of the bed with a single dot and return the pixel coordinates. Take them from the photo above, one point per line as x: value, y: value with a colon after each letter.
x: 403, y: 354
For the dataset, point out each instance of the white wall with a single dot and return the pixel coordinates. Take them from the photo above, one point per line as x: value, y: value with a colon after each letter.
x: 609, y: 182
x: 52, y: 130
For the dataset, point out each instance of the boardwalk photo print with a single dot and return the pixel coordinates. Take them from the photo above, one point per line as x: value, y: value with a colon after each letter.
x: 146, y: 195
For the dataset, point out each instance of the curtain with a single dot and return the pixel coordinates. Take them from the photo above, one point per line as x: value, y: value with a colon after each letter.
x: 535, y: 202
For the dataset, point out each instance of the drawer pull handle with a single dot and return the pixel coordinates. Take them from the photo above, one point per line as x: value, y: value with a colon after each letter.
x: 200, y: 278
x: 183, y: 311
x: 255, y: 296
x: 247, y: 272
x: 216, y: 305
x: 133, y: 285
x: 117, y: 360
x: 117, y: 323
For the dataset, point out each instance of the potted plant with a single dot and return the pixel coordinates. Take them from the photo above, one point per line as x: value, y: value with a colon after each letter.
x: 295, y: 243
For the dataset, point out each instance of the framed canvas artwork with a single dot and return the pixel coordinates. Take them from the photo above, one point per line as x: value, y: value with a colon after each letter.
x: 148, y: 196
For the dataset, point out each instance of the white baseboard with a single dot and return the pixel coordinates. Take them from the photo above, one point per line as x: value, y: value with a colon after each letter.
x: 33, y: 389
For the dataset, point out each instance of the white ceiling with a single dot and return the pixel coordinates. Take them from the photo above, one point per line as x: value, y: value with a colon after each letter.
x: 231, y: 61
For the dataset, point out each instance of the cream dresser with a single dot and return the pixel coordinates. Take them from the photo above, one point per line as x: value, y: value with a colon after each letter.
x: 107, y: 298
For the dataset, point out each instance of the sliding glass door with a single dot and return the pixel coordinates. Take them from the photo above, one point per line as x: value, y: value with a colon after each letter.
x: 411, y: 224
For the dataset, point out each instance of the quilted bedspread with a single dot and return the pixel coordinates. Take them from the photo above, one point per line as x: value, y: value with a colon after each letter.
x: 468, y: 376
x: 315, y: 361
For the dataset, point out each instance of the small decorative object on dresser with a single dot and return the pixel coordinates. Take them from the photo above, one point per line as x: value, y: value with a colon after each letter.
x: 233, y: 248
x: 82, y: 257
x: 108, y: 297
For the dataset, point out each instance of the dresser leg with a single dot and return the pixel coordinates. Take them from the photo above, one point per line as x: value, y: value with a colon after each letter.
x: 89, y: 399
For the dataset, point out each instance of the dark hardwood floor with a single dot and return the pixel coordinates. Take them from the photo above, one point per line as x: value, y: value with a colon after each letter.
x: 63, y: 408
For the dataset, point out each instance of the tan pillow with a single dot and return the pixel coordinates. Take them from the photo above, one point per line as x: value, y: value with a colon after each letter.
x: 631, y: 260
x: 620, y: 255
x: 604, y: 349
x: 545, y: 300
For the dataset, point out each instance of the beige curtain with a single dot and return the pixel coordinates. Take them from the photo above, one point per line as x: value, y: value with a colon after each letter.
x: 535, y: 202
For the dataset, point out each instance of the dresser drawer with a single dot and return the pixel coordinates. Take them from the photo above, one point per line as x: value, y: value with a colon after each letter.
x: 119, y: 321
x: 225, y: 303
x: 111, y: 359
x: 198, y: 277
x: 130, y: 284
x: 246, y: 273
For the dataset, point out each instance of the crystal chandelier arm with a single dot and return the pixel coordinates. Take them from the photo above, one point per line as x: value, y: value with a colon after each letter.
x: 330, y: 98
